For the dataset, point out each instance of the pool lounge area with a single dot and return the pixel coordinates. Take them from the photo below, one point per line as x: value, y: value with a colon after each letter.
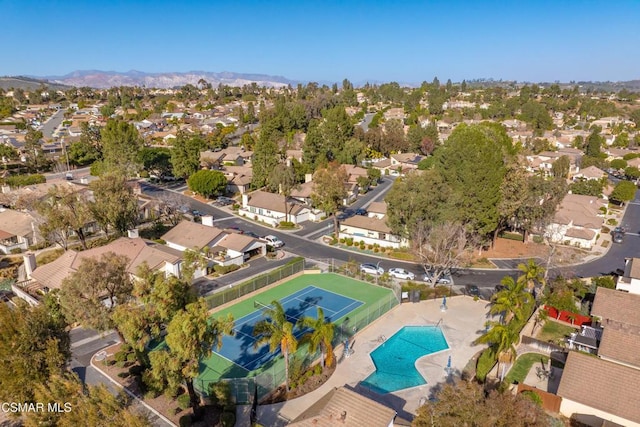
x: 461, y: 324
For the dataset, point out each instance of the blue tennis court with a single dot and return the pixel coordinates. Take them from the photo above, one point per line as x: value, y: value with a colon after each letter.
x: 303, y: 303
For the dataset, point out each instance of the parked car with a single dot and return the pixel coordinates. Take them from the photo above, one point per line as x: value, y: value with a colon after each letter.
x: 224, y: 201
x: 500, y: 288
x: 273, y: 241
x: 401, y: 273
x: 251, y: 234
x: 472, y: 290
x: 371, y: 269
x: 196, y: 212
x: 444, y: 279
x: 234, y: 229
x: 183, y: 209
x: 618, y: 237
x: 361, y: 211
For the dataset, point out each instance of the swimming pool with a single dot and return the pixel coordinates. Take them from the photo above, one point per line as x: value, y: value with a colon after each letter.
x: 395, y: 359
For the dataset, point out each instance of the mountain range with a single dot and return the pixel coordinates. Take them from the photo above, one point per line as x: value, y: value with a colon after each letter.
x: 106, y: 79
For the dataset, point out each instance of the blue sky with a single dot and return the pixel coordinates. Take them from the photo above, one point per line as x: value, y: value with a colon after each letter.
x: 405, y: 41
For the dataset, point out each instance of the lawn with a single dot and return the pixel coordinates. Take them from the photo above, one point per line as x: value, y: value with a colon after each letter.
x: 521, y: 368
x: 552, y: 331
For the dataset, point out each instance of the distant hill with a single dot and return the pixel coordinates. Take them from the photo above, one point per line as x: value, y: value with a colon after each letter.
x: 106, y: 79
x: 28, y: 83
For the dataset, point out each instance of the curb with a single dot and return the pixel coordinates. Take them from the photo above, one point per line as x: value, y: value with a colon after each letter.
x: 136, y: 398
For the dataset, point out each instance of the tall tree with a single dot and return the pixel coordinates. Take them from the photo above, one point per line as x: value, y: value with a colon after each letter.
x: 185, y: 154
x: 90, y: 294
x: 265, y: 159
x: 191, y: 335
x: 441, y: 247
x: 35, y: 159
x: 560, y: 167
x: 314, y: 152
x: 283, y: 180
x: 473, y: 164
x: 320, y: 336
x: 502, y: 339
x: 120, y: 146
x: 532, y: 274
x: 468, y: 404
x: 207, y: 183
x: 114, y: 204
x: 623, y: 192
x: 277, y: 331
x: 329, y: 191
x: 513, y: 301
x: 82, y: 405
x: 65, y: 210
x: 34, y: 345
x: 336, y: 129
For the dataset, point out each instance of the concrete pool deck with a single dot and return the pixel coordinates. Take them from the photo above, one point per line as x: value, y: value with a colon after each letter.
x: 461, y: 323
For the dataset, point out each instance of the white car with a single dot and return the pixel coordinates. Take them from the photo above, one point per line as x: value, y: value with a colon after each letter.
x: 401, y: 273
x: 444, y: 279
x: 273, y: 241
x: 371, y: 269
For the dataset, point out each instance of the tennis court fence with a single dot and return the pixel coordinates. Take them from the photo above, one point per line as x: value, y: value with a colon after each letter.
x: 294, y: 266
x: 269, y: 379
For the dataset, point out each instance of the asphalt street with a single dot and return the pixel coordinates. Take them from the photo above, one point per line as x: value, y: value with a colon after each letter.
x: 50, y: 125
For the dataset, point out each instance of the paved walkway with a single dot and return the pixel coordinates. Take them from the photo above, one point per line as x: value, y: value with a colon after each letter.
x: 462, y: 323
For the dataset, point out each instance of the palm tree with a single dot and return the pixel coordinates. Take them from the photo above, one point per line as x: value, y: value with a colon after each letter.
x: 513, y: 300
x: 533, y: 274
x: 502, y: 339
x: 321, y: 336
x: 278, y: 332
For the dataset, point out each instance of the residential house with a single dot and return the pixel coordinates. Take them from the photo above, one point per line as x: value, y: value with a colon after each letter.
x: 302, y: 193
x: 352, y: 185
x: 543, y: 161
x: 402, y: 163
x: 577, y: 221
x: 18, y: 230
x: 603, y: 387
x: 377, y: 210
x: 630, y: 279
x: 221, y: 247
x: 394, y: 113
x: 371, y: 230
x: 599, y: 392
x: 270, y: 208
x: 342, y: 406
x: 138, y: 251
x: 232, y: 156
x: 590, y: 173
x: 238, y: 178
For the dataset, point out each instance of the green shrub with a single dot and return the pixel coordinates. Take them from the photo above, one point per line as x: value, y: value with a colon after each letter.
x: 228, y: 419
x: 120, y: 356
x: 342, y: 240
x: 286, y: 225
x: 605, y: 230
x: 512, y: 236
x: 220, y: 394
x: 486, y: 362
x: 538, y: 239
x: 186, y: 421
x: 533, y: 396
x: 131, y: 357
x: 612, y: 221
x: 23, y: 180
x: 184, y: 401
x: 16, y: 250
x: 224, y: 269
x: 123, y: 374
x: 160, y: 241
x: 317, y: 370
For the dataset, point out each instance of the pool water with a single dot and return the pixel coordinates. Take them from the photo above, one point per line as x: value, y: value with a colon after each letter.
x: 395, y: 359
